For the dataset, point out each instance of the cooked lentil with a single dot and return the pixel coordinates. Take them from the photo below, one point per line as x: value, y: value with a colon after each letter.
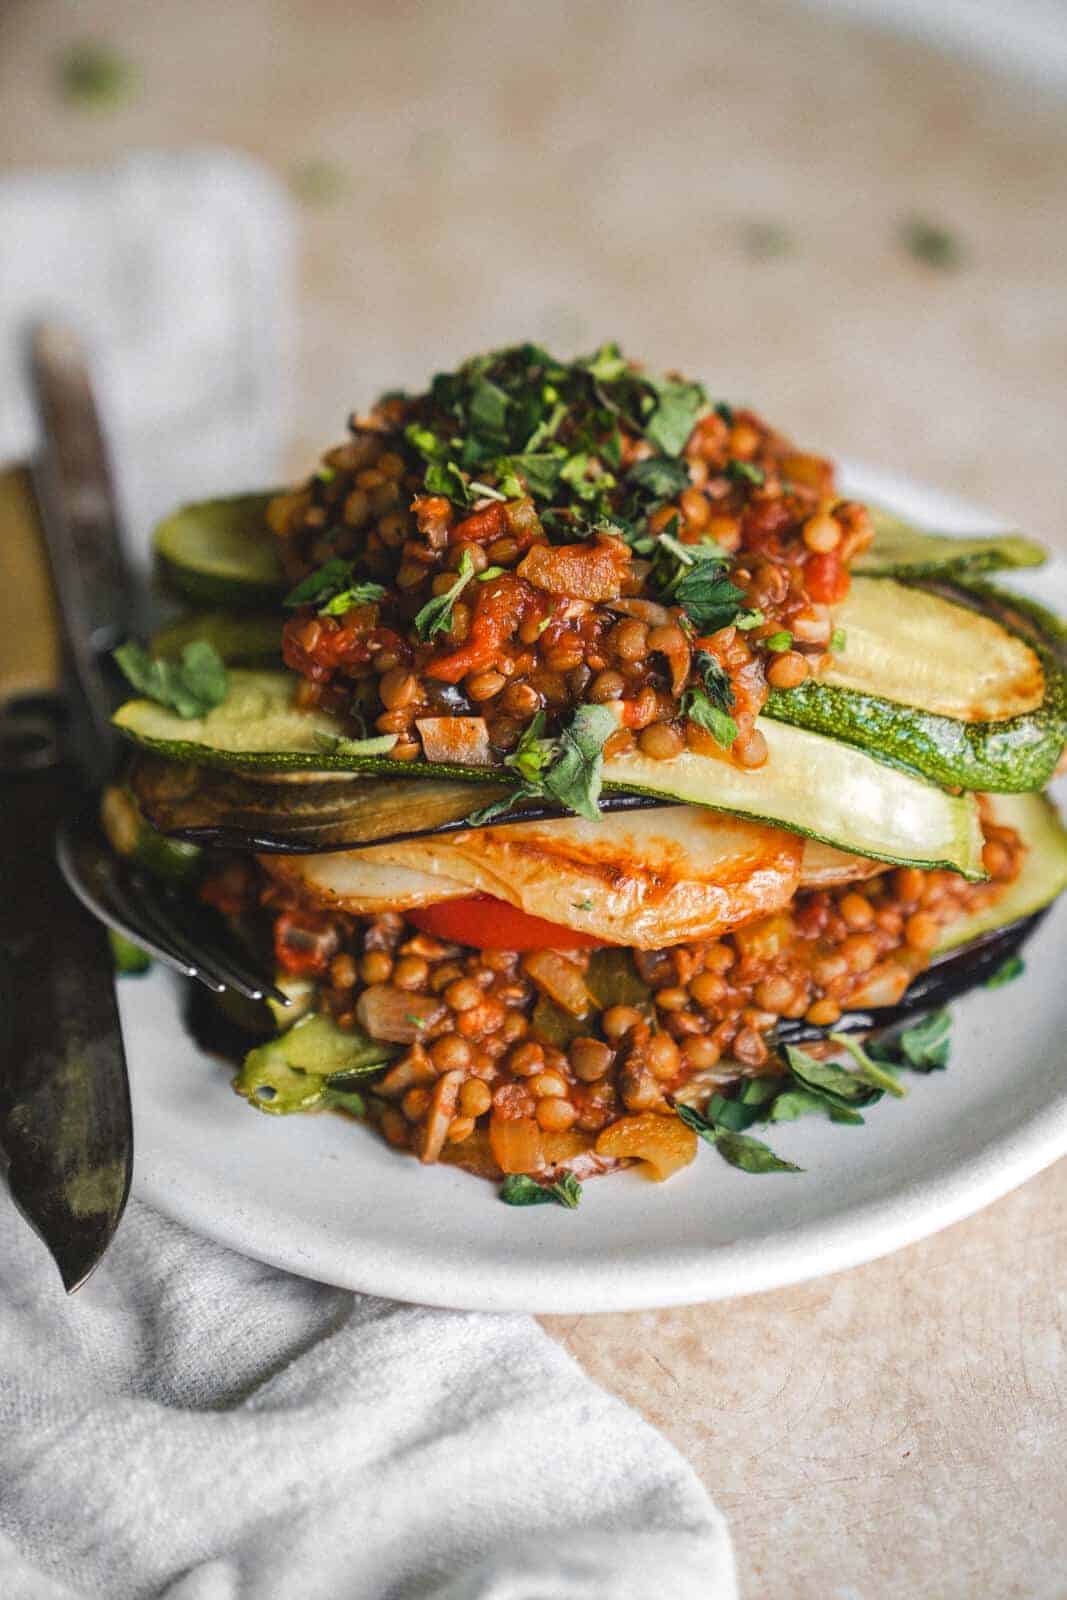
x: 487, y: 1071
x: 553, y: 487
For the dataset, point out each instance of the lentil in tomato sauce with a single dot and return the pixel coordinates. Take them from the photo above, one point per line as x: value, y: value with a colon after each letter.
x: 532, y: 535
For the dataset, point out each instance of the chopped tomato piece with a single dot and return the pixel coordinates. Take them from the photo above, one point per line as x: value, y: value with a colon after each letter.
x: 827, y: 579
x: 304, y: 942
x: 489, y: 924
x: 499, y: 607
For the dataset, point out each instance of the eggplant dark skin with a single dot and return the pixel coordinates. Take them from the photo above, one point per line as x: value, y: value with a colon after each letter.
x: 954, y: 975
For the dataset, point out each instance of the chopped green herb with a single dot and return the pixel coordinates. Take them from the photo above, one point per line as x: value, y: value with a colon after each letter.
x: 782, y: 640
x: 436, y: 615
x: 332, y: 590
x: 676, y: 413
x: 607, y: 365
x: 707, y: 597
x: 725, y: 412
x: 96, y: 77
x: 739, y: 1149
x: 519, y: 1190
x: 699, y: 709
x: 583, y: 905
x: 715, y: 678
x: 924, y: 1047
x: 745, y: 472
x: 489, y: 573
x: 662, y: 476
x: 191, y: 687
x: 838, y: 640
x: 794, y: 1103
x: 444, y: 477
x: 1007, y: 972
x: 867, y: 1068
x: 833, y: 1083
x: 749, y: 619
x: 568, y: 770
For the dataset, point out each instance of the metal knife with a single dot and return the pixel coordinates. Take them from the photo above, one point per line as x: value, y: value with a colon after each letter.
x: 65, y: 1120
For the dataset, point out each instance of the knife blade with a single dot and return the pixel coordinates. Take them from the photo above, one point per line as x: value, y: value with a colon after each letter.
x: 65, y: 1117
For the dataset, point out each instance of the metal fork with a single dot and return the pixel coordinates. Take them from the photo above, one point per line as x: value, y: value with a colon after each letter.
x: 160, y: 919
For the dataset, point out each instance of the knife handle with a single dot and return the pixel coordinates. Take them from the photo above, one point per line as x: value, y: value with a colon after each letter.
x: 30, y: 650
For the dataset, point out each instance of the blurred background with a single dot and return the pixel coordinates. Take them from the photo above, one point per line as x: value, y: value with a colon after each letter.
x: 848, y: 214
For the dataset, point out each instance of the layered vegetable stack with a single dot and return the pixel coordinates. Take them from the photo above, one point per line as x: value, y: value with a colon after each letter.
x: 581, y: 753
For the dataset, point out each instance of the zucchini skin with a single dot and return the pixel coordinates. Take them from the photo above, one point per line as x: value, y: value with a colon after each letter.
x: 903, y: 550
x: 1016, y: 755
x: 241, y: 577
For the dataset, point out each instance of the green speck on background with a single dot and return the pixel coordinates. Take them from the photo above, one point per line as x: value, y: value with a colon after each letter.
x: 932, y: 244
x: 319, y: 183
x: 763, y: 239
x: 95, y: 76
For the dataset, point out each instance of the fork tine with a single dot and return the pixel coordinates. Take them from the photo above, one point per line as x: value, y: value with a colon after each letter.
x: 147, y: 929
x: 91, y: 880
x: 190, y: 929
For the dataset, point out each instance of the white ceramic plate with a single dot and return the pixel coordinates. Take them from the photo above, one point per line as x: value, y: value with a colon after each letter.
x: 323, y: 1197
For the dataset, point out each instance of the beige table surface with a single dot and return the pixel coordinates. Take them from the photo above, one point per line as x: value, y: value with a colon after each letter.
x: 571, y: 173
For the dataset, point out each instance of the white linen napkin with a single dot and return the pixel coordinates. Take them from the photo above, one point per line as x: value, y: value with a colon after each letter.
x: 193, y: 1424
x: 196, y: 1425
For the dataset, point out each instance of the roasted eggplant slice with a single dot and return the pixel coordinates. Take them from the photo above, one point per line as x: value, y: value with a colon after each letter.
x: 293, y: 814
x: 952, y: 975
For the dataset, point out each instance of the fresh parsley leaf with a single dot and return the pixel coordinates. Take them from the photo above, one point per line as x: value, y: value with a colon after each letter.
x: 832, y: 1082
x: 751, y: 1155
x: 782, y: 640
x: 739, y: 1149
x: 519, y: 1190
x: 378, y: 744
x: 699, y: 709
x: 867, y: 1068
x: 923, y: 1047
x: 709, y: 599
x: 444, y: 477
x: 568, y: 770
x: 487, y: 412
x: 331, y: 589
x: 734, y: 1115
x: 426, y: 442
x: 661, y: 476
x: 360, y: 594
x: 838, y: 640
x: 745, y: 472
x: 725, y: 412
x: 678, y: 407
x: 190, y: 687
x: 607, y: 365
x: 1007, y: 972
x: 794, y: 1103
x: 540, y: 469
x: 436, y: 615
x: 715, y: 678
x: 575, y: 776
